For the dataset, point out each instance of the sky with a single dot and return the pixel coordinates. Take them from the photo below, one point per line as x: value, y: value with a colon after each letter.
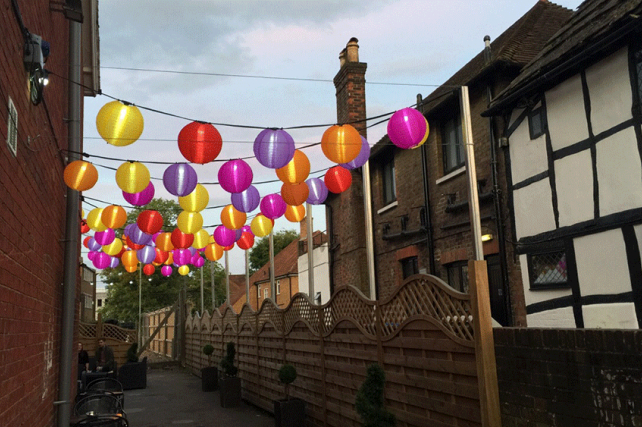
x: 269, y: 64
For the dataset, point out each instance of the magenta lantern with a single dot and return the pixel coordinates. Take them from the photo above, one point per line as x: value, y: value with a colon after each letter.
x: 318, y: 191
x: 180, y: 179
x: 273, y: 206
x: 246, y: 201
x: 142, y: 198
x: 105, y: 237
x: 224, y: 236
x: 198, y: 261
x: 91, y: 255
x: 274, y: 148
x: 235, y: 176
x: 406, y: 128
x: 166, y: 270
x: 362, y: 158
x: 182, y: 256
x: 101, y: 260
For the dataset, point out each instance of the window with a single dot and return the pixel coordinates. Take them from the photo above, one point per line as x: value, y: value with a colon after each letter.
x: 389, y: 187
x: 265, y: 293
x: 458, y: 276
x: 452, y: 145
x: 99, y: 303
x: 548, y: 270
x: 12, y: 128
x: 536, y: 122
x: 278, y: 287
x: 409, y: 266
x: 637, y: 63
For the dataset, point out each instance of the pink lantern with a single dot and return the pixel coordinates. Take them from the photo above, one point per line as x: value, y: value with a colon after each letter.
x: 101, y: 260
x: 273, y: 206
x: 142, y: 198
x: 224, y: 236
x: 198, y: 261
x: 182, y: 256
x: 235, y: 176
x: 104, y: 238
x: 407, y: 127
x: 166, y: 270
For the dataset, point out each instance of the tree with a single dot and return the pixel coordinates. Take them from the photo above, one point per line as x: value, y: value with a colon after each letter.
x: 260, y: 253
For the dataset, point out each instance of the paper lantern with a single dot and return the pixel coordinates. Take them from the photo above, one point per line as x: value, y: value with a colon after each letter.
x: 337, y: 179
x: 129, y: 259
x: 197, y: 261
x: 235, y: 176
x: 297, y: 169
x: 181, y: 256
x: 295, y: 194
x: 148, y: 269
x: 341, y: 144
x: 246, y: 241
x: 199, y: 142
x: 189, y: 222
x: 166, y: 270
x: 201, y: 239
x: 273, y: 206
x: 164, y: 242
x: 161, y: 256
x: 274, y: 148
x: 115, y: 262
x: 91, y: 255
x: 94, y: 220
x: 132, y: 177
x: 195, y: 201
x: 93, y: 245
x: 105, y: 237
x: 113, y: 216
x: 224, y: 236
x: 80, y: 175
x: 183, y: 270
x: 406, y: 128
x: 213, y: 251
x: 84, y: 228
x: 170, y: 258
x: 132, y: 245
x: 119, y: 124
x: 295, y: 213
x: 233, y: 218
x: 146, y: 254
x: 180, y: 179
x: 114, y: 247
x: 86, y: 240
x: 261, y: 226
x: 149, y: 221
x: 246, y: 201
x: 131, y: 268
x: 138, y: 236
x: 228, y: 248
x: 181, y: 240
x: 318, y: 191
x: 142, y: 198
x: 101, y: 260
x: 425, y: 138
x: 361, y: 159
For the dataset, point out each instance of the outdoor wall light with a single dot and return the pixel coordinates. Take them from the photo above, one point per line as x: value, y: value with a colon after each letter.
x: 36, y: 51
x: 486, y: 237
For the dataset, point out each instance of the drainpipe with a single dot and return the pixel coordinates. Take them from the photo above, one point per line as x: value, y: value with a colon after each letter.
x: 499, y: 221
x: 71, y: 233
x: 424, y: 174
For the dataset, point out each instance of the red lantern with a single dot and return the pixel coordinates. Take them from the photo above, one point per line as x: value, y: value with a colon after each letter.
x: 148, y: 269
x: 295, y: 194
x: 246, y: 241
x: 84, y: 228
x: 200, y: 142
x: 181, y: 240
x: 150, y: 221
x: 85, y: 242
x: 132, y: 245
x: 161, y: 256
x: 337, y: 179
x: 227, y: 248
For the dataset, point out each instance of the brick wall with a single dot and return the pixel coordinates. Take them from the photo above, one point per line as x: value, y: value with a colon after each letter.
x: 569, y: 377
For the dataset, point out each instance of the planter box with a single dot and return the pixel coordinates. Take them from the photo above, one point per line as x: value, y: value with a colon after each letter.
x: 209, y: 378
x: 289, y: 413
x: 230, y: 391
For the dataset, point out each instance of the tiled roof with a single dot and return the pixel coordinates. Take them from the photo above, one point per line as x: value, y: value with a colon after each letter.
x: 581, y: 37
x: 237, y: 289
x: 285, y: 263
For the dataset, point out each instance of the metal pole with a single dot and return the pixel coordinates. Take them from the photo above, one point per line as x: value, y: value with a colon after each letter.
x: 140, y: 303
x: 367, y: 206
x: 71, y: 231
x: 213, y: 286
x: 471, y: 171
x: 202, y: 294
x: 310, y: 238
x: 272, y: 284
x: 227, y: 277
x: 247, y: 277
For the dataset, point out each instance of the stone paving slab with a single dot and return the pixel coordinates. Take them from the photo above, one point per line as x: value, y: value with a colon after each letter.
x: 173, y: 397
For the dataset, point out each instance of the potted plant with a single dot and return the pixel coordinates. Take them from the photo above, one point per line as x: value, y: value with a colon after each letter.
x: 133, y: 374
x: 209, y: 374
x: 370, y: 401
x: 229, y: 383
x: 288, y: 412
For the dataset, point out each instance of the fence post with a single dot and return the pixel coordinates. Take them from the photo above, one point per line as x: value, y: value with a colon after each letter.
x: 324, y: 406
x: 99, y: 326
x: 484, y: 344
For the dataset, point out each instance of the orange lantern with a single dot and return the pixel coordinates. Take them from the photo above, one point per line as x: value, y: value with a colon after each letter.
x: 341, y: 144
x: 337, y: 179
x: 213, y: 251
x: 129, y: 259
x: 114, y: 216
x: 131, y: 268
x: 119, y: 124
x: 164, y: 242
x: 170, y: 259
x: 295, y: 194
x: 298, y: 169
x: 261, y: 226
x: 148, y: 269
x: 80, y: 175
x: 233, y: 218
x: 295, y: 213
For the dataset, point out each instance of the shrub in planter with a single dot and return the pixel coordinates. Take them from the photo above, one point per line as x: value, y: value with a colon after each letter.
x: 288, y: 412
x: 370, y: 402
x: 229, y: 384
x: 209, y: 374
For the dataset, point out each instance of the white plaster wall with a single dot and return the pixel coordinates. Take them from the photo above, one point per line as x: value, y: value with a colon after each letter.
x: 638, y: 234
x: 557, y: 318
x: 574, y: 185
x: 565, y: 113
x: 619, y: 173
x: 533, y: 209
x: 527, y: 157
x: 514, y: 115
x: 321, y: 273
x: 601, y: 262
x: 610, y: 316
x: 609, y: 87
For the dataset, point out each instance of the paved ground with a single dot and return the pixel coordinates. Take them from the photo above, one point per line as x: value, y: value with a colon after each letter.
x: 173, y: 397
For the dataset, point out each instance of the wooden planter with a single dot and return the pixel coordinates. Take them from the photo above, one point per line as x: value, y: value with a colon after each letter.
x: 289, y: 412
x: 230, y: 391
x: 209, y: 378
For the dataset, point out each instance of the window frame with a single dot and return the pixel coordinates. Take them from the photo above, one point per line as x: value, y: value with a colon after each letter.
x: 537, y: 112
x: 635, y: 59
x: 446, y: 142
x: 388, y: 182
x: 265, y: 293
x: 463, y: 285
x: 532, y: 279
x: 413, y: 263
x: 278, y: 287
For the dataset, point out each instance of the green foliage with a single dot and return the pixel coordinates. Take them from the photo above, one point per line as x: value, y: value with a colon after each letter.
x: 287, y: 375
x: 260, y: 253
x: 370, y: 403
x: 132, y: 351
x: 208, y: 349
x: 227, y: 363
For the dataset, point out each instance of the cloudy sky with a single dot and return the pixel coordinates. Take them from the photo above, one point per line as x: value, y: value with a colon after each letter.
x: 270, y: 64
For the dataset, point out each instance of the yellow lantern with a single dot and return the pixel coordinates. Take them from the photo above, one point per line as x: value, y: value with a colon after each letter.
x: 195, y: 201
x: 164, y: 242
x: 80, y: 175
x: 297, y: 170
x: 425, y: 138
x: 295, y: 213
x: 341, y: 144
x: 183, y: 270
x: 94, y: 220
x: 189, y: 222
x: 233, y: 218
x: 129, y: 259
x: 132, y: 177
x: 114, y: 247
x: 201, y: 239
x: 119, y: 124
x: 261, y: 226
x: 213, y: 251
x: 114, y: 216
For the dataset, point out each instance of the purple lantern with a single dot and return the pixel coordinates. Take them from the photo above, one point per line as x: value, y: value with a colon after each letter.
x: 166, y: 270
x: 246, y: 201
x: 142, y: 198
x: 105, y: 237
x: 235, y: 176
x: 274, y: 148
x: 180, y: 179
x: 128, y: 229
x: 146, y: 254
x: 318, y: 191
x: 239, y: 233
x: 361, y: 159
x: 138, y: 236
x: 101, y: 260
x: 407, y: 127
x: 115, y: 262
x: 93, y: 245
x: 224, y: 236
x: 182, y: 256
x: 273, y: 206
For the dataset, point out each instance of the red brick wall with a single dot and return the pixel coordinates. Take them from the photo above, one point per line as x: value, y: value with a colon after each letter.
x: 32, y: 221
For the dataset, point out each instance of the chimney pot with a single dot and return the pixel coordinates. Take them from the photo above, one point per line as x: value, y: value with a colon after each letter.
x: 353, y: 50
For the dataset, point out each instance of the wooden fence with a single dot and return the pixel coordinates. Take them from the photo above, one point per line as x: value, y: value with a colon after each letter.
x: 163, y: 342
x: 119, y: 339
x: 422, y: 335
